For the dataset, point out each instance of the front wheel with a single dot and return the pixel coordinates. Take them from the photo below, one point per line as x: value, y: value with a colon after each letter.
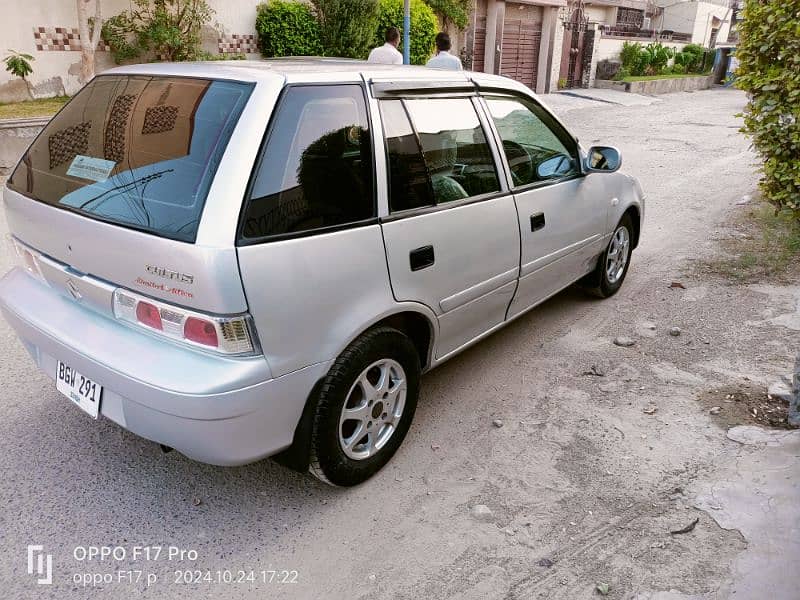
x: 612, y: 266
x: 365, y: 407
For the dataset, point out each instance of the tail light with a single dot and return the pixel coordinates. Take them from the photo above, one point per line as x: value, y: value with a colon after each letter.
x: 225, y: 335
x: 148, y: 314
x: 200, y: 331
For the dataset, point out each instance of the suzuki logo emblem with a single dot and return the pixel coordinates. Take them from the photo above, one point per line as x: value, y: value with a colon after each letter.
x: 73, y: 289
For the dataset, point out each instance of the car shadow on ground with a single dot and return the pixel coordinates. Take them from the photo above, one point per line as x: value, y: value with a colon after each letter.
x: 99, y: 464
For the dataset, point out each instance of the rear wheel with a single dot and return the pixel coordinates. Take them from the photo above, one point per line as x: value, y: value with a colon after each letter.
x: 612, y: 266
x: 364, y: 407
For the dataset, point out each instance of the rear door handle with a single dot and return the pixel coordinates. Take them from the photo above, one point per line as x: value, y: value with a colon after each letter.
x: 421, y: 258
x: 537, y: 221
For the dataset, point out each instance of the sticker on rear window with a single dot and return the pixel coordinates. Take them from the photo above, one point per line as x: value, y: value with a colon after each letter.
x: 88, y: 167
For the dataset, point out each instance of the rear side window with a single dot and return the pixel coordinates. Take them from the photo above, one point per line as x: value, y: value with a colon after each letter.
x: 315, y: 171
x: 409, y: 183
x: 136, y: 151
x: 445, y: 136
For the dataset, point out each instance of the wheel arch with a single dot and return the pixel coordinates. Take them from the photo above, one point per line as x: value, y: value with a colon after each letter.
x: 415, y: 321
x: 635, y: 214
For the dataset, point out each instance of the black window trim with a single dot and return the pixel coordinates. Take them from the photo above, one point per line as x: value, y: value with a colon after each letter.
x: 386, y: 154
x: 386, y: 90
x: 424, y: 210
x: 241, y: 240
x: 558, y: 130
x: 437, y: 206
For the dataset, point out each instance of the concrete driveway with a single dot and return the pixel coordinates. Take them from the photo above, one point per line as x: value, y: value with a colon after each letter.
x: 603, y: 451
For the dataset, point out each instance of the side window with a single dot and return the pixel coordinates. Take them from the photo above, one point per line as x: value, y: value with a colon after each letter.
x: 316, y: 167
x: 409, y: 184
x: 535, y: 147
x: 454, y: 145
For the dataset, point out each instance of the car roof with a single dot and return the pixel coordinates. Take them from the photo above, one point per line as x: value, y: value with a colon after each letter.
x: 309, y: 69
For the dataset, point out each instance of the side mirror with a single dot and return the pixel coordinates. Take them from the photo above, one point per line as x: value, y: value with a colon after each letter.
x: 554, y: 167
x: 603, y: 159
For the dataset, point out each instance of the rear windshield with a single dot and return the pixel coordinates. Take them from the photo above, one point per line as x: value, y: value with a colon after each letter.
x: 136, y: 151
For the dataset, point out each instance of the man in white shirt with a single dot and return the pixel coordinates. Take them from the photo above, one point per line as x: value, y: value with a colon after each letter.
x: 443, y: 58
x: 388, y: 53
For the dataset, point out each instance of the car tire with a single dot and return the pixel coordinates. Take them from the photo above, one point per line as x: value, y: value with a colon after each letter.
x: 370, y: 391
x: 612, y: 267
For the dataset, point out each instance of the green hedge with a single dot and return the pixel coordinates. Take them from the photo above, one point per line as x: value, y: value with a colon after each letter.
x: 287, y: 28
x: 690, y: 59
x: 652, y: 59
x: 346, y: 26
x: 349, y: 28
x: 424, y: 27
x: 769, y: 70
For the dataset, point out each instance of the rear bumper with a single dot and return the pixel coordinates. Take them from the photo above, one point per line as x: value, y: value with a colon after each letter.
x: 218, y: 410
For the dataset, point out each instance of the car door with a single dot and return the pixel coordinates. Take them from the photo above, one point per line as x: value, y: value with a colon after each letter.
x: 310, y: 247
x: 451, y: 236
x: 562, y: 212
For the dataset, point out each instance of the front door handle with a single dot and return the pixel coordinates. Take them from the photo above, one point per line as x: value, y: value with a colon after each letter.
x: 421, y: 258
x: 537, y: 221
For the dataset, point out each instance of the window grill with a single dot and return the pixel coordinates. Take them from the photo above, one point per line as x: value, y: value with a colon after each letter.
x: 630, y: 18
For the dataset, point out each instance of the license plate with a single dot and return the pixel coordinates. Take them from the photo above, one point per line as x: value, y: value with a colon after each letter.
x: 80, y: 389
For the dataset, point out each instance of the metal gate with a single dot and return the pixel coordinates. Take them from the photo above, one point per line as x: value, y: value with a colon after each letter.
x: 479, y: 43
x: 572, y: 58
x: 520, y: 50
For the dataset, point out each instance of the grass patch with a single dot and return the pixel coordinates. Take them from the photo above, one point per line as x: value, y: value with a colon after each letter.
x: 42, y: 107
x: 633, y: 78
x: 762, y: 246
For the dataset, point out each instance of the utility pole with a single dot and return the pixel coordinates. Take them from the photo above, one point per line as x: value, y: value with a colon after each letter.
x: 406, y: 32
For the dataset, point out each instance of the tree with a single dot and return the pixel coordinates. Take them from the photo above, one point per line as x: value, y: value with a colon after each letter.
x: 424, y: 27
x: 287, y: 28
x: 89, y: 29
x: 170, y: 29
x: 769, y: 70
x: 18, y: 64
x: 347, y: 27
x: 455, y: 12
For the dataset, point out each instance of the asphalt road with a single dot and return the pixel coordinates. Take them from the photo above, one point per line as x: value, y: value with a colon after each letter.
x: 557, y: 476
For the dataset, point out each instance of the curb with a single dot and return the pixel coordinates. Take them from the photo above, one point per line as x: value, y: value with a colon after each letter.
x: 25, y: 122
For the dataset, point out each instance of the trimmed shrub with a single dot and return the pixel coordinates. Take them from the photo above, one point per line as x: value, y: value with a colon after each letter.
x: 424, y: 27
x: 287, y: 28
x: 655, y: 57
x: 691, y: 58
x: 769, y: 70
x: 346, y: 27
x: 635, y: 58
x: 630, y: 55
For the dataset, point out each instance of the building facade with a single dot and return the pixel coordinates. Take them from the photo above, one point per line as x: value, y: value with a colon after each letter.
x: 546, y: 44
x: 48, y: 30
x: 552, y: 44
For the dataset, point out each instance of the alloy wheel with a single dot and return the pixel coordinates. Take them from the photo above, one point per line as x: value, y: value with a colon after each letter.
x: 373, y: 409
x: 617, y: 256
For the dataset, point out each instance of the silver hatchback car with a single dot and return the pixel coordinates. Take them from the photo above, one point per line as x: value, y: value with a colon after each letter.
x: 248, y: 259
